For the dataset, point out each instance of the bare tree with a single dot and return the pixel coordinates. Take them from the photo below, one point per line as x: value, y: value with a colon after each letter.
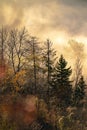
x: 17, y: 49
x: 3, y: 39
x: 49, y: 57
x: 78, y: 71
x: 78, y: 52
x: 34, y: 56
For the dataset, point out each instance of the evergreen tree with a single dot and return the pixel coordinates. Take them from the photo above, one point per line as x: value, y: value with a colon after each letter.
x: 79, y: 92
x: 61, y: 84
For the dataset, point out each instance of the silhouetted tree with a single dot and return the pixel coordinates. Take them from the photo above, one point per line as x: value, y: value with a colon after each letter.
x: 34, y: 58
x: 49, y: 57
x: 61, y: 83
x: 3, y: 39
x: 79, y: 92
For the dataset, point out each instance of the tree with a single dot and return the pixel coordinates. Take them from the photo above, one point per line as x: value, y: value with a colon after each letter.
x: 77, y: 49
x: 61, y: 83
x: 34, y: 58
x: 79, y: 92
x: 3, y: 41
x: 16, y: 50
x: 78, y: 71
x: 49, y: 58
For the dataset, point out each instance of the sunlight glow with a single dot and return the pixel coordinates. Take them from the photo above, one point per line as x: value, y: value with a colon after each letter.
x: 9, y: 13
x: 81, y: 39
x: 60, y: 40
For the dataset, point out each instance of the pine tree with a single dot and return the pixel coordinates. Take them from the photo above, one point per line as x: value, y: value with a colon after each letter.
x: 79, y: 92
x: 61, y: 84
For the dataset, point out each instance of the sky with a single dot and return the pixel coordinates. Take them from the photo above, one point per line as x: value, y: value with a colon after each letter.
x: 59, y: 20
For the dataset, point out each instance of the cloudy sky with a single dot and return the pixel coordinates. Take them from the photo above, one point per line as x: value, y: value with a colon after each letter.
x: 59, y: 20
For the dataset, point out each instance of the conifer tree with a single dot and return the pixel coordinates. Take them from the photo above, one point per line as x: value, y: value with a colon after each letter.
x: 61, y: 83
x: 79, y: 92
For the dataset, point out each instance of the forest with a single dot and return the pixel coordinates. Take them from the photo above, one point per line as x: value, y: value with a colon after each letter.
x: 39, y: 90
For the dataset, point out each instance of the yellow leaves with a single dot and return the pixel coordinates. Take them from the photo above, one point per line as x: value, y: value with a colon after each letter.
x: 14, y: 80
x: 17, y: 88
x: 19, y: 79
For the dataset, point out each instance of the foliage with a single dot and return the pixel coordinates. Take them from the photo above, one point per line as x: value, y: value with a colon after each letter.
x: 79, y: 92
x: 61, y: 84
x: 19, y: 80
x: 27, y: 67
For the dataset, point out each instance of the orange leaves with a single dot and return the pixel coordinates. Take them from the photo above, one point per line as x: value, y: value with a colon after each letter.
x: 19, y: 79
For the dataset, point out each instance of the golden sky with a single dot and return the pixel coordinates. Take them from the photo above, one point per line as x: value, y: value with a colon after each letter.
x: 58, y: 20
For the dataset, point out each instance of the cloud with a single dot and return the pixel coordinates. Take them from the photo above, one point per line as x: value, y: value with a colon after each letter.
x: 75, y: 3
x: 77, y: 49
x: 46, y: 16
